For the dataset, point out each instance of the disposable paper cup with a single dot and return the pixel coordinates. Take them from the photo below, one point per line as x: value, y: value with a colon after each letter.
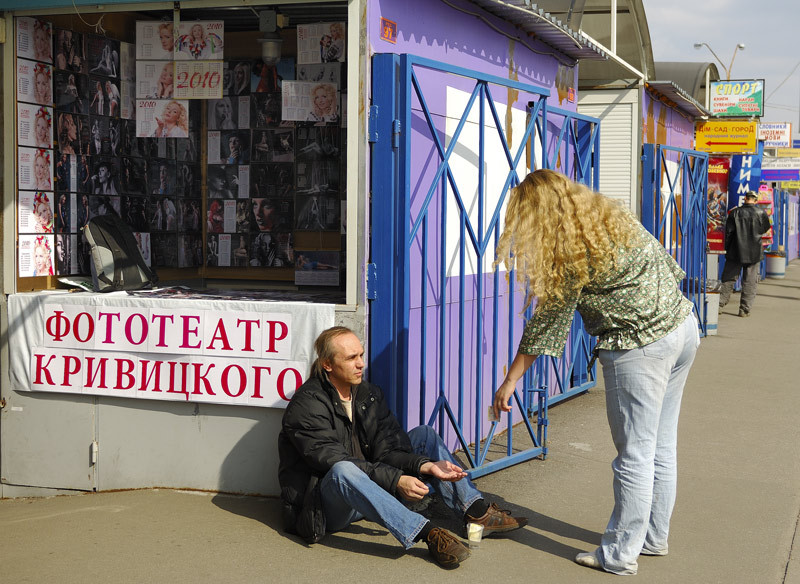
x: 474, y: 535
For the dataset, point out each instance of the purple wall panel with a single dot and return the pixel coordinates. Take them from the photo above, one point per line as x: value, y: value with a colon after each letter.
x: 664, y: 125
x: 424, y: 362
x: 436, y: 31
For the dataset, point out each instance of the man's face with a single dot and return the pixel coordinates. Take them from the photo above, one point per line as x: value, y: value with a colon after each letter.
x: 347, y: 366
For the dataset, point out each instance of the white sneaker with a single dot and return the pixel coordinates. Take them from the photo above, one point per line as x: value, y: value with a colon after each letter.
x: 589, y: 560
x: 645, y: 552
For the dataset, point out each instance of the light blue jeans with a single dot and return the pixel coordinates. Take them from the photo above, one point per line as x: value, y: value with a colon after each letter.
x: 644, y: 387
x: 348, y: 494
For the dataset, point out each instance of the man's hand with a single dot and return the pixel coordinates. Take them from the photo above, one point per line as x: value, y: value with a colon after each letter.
x: 411, y: 489
x: 444, y: 470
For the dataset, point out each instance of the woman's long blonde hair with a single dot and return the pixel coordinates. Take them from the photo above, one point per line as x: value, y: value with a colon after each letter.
x: 558, y: 233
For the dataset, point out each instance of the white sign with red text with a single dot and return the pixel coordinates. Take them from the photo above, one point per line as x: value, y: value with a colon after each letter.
x: 237, y: 357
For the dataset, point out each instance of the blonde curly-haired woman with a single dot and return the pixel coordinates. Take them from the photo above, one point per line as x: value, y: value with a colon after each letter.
x: 575, y: 249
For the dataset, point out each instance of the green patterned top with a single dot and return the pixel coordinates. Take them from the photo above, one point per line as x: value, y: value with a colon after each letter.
x: 634, y: 304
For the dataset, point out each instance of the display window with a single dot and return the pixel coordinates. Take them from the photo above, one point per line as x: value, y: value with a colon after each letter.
x: 226, y: 166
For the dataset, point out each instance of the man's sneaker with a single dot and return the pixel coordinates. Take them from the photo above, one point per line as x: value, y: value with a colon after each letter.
x: 744, y: 314
x: 497, y: 520
x: 445, y: 548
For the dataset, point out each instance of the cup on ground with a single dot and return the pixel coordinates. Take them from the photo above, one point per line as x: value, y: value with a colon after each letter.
x: 474, y: 535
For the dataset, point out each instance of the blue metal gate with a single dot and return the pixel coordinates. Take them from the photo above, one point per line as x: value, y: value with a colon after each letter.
x: 446, y: 150
x: 674, y: 185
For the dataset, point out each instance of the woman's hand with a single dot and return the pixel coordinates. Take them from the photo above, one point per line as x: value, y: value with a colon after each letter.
x: 519, y: 366
x: 502, y: 397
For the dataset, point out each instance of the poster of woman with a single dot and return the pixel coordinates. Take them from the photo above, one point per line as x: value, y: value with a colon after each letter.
x: 155, y: 40
x: 200, y: 40
x: 310, y: 102
x: 162, y: 118
x: 71, y: 92
x: 322, y: 42
x: 35, y: 39
x: 66, y: 254
x: 34, y: 82
x: 154, y: 79
x: 35, y: 212
x: 35, y: 125
x: 36, y: 255
x: 70, y: 52
x: 35, y: 169
x: 316, y: 268
x: 103, y: 55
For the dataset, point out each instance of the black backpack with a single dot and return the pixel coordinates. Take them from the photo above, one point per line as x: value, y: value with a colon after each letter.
x: 117, y: 263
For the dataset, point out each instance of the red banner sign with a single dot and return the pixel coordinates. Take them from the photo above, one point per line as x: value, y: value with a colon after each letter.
x: 717, y: 204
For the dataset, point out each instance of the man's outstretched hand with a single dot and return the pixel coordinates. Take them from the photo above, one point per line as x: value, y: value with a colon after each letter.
x: 444, y: 470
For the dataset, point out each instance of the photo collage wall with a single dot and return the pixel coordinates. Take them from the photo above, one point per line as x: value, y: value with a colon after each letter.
x: 102, y: 128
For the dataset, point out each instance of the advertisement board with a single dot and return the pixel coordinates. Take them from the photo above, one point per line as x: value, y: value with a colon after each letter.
x: 737, y: 99
x: 717, y: 203
x: 776, y: 134
x: 726, y: 137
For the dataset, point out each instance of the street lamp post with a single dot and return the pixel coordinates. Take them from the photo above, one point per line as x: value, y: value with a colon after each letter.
x: 729, y: 67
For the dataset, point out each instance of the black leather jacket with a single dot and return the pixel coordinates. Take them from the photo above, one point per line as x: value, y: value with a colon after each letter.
x: 743, y: 230
x: 316, y: 434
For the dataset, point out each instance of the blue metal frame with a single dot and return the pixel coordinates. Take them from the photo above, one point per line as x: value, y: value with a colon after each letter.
x: 395, y: 232
x: 678, y: 218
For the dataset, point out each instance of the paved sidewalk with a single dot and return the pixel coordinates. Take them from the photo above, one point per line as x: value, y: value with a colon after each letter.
x: 736, y: 519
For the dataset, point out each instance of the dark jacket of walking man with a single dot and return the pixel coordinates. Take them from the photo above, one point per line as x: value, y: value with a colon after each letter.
x: 344, y: 457
x: 743, y: 251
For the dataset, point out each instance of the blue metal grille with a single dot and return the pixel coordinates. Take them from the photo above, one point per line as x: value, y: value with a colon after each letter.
x: 674, y: 184
x: 443, y: 322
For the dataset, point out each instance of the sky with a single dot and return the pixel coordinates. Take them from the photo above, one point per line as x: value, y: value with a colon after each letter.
x: 769, y: 30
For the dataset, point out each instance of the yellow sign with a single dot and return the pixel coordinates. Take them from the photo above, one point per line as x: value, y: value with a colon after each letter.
x: 787, y: 152
x: 726, y: 137
x: 791, y: 185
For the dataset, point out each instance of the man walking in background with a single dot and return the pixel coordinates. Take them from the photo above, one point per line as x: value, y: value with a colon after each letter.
x: 743, y: 251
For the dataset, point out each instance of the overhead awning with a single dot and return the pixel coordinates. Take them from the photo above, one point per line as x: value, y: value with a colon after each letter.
x: 679, y: 97
x: 544, y: 27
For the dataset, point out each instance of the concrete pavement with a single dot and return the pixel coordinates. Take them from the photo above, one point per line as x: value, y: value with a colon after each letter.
x: 736, y: 519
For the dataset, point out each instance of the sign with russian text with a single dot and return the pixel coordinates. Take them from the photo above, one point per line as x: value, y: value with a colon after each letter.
x: 737, y: 99
x: 782, y: 163
x: 745, y: 176
x: 775, y: 135
x: 726, y: 137
x: 787, y: 152
x: 780, y: 174
x: 184, y: 353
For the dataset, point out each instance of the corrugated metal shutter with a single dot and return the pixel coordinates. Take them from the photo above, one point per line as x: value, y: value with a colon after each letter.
x: 618, y: 112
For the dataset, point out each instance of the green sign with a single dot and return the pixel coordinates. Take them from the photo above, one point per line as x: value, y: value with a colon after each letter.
x: 737, y: 99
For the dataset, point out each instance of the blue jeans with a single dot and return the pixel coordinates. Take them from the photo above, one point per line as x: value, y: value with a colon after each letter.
x: 644, y: 387
x: 348, y: 494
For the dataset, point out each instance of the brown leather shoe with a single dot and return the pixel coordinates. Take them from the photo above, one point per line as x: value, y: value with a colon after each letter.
x: 445, y: 548
x: 497, y: 520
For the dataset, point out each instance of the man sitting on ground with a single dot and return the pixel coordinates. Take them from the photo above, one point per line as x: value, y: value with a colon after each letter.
x: 344, y: 456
